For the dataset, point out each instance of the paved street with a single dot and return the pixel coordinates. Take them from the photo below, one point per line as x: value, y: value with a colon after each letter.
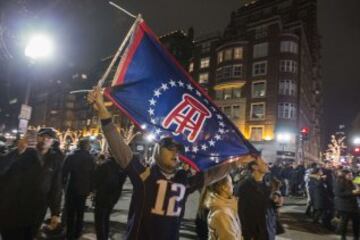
x: 298, y: 226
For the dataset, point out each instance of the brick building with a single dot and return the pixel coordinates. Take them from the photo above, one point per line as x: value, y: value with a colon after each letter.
x: 264, y: 73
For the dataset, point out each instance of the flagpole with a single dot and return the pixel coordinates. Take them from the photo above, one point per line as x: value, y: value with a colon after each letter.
x: 121, y: 48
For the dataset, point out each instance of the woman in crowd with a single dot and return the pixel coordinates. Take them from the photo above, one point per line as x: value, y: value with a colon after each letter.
x: 223, y: 219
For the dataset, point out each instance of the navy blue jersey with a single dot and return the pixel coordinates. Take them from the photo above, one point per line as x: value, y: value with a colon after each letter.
x: 158, y: 204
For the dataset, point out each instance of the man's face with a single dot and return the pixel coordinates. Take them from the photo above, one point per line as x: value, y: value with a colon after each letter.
x: 168, y: 158
x: 262, y: 166
x: 44, y: 142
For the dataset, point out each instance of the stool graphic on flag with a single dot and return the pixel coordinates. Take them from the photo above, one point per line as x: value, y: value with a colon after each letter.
x: 188, y: 115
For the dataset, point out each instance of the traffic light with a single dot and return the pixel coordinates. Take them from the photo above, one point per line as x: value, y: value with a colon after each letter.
x: 304, y: 133
x: 356, y: 151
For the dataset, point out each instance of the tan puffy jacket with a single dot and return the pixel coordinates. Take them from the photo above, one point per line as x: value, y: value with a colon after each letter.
x: 223, y: 219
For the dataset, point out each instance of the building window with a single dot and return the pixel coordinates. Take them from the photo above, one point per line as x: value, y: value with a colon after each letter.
x: 287, y: 87
x: 257, y: 111
x: 204, y: 78
x: 220, y: 57
x: 288, y: 66
x: 237, y: 70
x: 228, y: 93
x: 227, y: 72
x: 219, y: 74
x: 219, y: 94
x: 260, y: 50
x: 289, y: 46
x: 205, y: 47
x: 228, y: 54
x: 261, y: 32
x: 205, y: 62
x: 286, y: 110
x: 256, y: 133
x: 238, y: 53
x: 236, y: 112
x: 236, y: 92
x: 258, y: 89
x: 259, y: 68
x: 191, y: 67
x: 227, y: 111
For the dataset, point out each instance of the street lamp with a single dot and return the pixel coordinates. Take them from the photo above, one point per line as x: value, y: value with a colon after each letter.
x: 356, y: 140
x: 39, y: 47
x: 283, y: 137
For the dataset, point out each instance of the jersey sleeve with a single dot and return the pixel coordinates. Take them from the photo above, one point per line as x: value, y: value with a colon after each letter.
x: 195, y: 182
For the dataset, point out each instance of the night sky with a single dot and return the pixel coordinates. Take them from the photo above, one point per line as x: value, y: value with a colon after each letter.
x: 91, y: 29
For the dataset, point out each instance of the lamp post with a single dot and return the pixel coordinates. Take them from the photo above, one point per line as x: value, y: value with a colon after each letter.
x: 39, y: 47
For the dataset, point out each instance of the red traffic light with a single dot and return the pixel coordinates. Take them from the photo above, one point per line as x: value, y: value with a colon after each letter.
x: 357, y: 150
x: 304, y: 130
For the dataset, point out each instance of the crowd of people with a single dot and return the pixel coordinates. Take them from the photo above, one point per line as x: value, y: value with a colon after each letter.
x: 239, y: 200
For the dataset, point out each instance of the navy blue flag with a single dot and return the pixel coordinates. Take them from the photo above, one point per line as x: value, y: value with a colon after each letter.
x: 159, y: 96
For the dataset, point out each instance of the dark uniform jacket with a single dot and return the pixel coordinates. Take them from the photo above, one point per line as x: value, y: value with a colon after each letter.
x: 30, y: 184
x: 79, y: 170
x: 254, y: 200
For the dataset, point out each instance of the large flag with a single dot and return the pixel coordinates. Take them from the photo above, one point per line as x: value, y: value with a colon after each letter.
x: 159, y: 96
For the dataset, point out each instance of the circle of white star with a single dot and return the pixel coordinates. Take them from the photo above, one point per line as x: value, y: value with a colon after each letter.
x: 205, y: 145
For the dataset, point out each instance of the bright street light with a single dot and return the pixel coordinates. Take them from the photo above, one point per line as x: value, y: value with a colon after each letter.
x: 283, y: 137
x: 356, y: 140
x: 39, y: 46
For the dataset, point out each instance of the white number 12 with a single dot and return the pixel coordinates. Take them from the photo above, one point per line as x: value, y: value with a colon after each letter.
x: 160, y: 198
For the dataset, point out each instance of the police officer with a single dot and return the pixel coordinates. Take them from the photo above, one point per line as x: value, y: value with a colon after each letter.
x: 31, y: 184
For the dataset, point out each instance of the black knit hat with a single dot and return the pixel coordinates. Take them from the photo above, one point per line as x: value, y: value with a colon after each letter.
x: 47, y: 131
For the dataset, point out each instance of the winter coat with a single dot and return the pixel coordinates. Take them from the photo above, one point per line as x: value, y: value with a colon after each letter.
x: 253, y: 204
x: 320, y: 197
x: 79, y: 169
x: 223, y: 219
x: 31, y: 184
x: 109, y: 179
x: 344, y: 199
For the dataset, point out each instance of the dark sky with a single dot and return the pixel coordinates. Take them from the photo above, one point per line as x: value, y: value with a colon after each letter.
x: 85, y: 34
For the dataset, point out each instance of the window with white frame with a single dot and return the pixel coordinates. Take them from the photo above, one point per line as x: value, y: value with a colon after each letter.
x: 256, y: 133
x: 228, y: 93
x: 257, y: 111
x: 205, y: 62
x: 259, y: 68
x: 238, y: 53
x: 286, y: 110
x: 220, y: 57
x: 287, y: 87
x: 237, y: 70
x: 260, y: 50
x: 228, y: 54
x: 288, y: 66
x: 191, y: 67
x: 289, y: 46
x: 258, y: 89
x: 203, y: 78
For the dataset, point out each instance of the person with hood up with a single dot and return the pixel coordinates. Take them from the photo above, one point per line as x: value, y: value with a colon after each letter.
x: 223, y: 219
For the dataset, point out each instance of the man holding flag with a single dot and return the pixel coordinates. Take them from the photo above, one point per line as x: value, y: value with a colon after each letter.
x: 157, y: 94
x: 160, y: 191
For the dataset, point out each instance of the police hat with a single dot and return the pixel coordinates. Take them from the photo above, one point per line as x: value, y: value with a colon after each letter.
x: 168, y: 142
x: 47, y: 131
